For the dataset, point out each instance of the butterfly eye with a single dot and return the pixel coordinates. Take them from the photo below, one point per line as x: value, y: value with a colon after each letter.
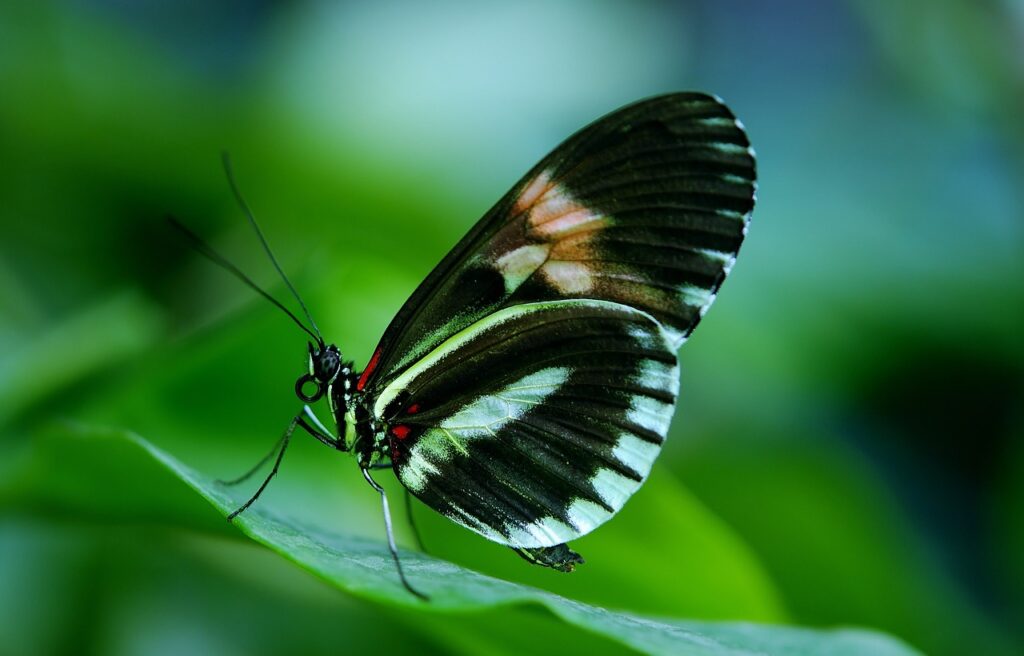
x: 303, y: 383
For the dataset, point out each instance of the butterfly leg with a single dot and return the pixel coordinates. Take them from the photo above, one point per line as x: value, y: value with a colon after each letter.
x: 317, y: 430
x: 319, y: 433
x: 412, y: 522
x: 408, y: 508
x: 258, y: 466
x: 559, y: 557
x: 285, y: 440
x: 390, y: 533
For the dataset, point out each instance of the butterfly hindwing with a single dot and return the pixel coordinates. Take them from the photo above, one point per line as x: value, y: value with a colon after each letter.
x: 534, y: 425
x: 646, y: 207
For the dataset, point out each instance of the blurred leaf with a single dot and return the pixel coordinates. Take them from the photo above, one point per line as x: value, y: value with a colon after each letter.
x: 77, y: 588
x: 960, y: 50
x: 96, y: 337
x: 833, y: 537
x: 364, y: 568
x: 1006, y: 521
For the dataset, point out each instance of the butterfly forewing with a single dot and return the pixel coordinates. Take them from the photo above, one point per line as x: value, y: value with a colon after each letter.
x: 535, y: 424
x: 647, y: 207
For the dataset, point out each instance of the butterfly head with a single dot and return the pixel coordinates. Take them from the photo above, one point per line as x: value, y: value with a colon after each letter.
x: 324, y: 366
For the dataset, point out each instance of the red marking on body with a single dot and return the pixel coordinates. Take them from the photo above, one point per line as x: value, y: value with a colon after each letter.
x: 400, y: 431
x: 413, y: 409
x: 369, y: 370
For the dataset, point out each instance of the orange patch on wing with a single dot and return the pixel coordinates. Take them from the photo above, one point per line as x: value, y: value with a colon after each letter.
x: 569, y: 222
x: 555, y: 204
x: 567, y: 226
x: 537, y: 188
x: 557, y: 214
x: 576, y: 248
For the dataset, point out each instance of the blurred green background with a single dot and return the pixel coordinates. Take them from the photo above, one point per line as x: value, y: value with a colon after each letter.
x: 848, y: 445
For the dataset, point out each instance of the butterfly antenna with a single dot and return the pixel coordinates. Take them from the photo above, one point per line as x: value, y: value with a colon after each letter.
x: 229, y: 171
x: 218, y: 259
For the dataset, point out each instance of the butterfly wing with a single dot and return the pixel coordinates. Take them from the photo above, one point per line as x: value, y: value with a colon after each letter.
x: 534, y: 425
x: 527, y: 385
x: 646, y: 207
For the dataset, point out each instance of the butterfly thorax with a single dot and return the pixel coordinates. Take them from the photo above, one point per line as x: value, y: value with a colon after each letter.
x: 340, y: 399
x: 357, y: 426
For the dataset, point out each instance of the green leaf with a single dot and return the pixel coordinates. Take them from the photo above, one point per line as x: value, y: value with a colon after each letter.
x: 860, y: 543
x: 363, y: 568
x: 41, y: 362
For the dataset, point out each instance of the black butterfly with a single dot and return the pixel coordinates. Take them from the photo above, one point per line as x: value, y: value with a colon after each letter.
x: 526, y: 387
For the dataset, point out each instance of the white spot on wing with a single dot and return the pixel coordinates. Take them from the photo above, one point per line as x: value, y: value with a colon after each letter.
x: 613, y: 488
x: 518, y: 265
x: 635, y: 453
x: 416, y: 471
x: 734, y: 179
x: 545, y: 532
x: 727, y: 267
x: 704, y: 308
x: 586, y: 515
x: 650, y: 414
x: 730, y: 148
x: 715, y: 121
x: 491, y: 412
x: 569, y: 277
x: 731, y: 214
x: 655, y: 374
x: 481, y: 418
x: 718, y: 256
x: 695, y: 296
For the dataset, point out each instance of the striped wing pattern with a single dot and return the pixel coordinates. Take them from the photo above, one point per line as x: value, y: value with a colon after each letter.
x: 527, y: 385
x: 647, y: 207
x: 569, y: 404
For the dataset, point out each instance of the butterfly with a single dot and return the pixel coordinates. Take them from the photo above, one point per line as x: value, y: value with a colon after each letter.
x: 526, y: 387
